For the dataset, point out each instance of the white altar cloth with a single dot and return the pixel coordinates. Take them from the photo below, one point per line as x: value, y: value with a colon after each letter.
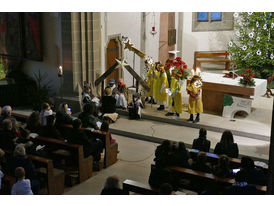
x: 259, y: 88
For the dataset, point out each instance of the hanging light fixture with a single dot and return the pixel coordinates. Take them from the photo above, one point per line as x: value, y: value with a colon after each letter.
x: 153, y: 31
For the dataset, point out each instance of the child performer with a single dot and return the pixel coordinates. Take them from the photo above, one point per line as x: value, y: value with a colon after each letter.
x: 150, y: 84
x: 195, y: 104
x: 162, y: 85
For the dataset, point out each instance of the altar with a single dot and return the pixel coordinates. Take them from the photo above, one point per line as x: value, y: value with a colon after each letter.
x: 215, y: 86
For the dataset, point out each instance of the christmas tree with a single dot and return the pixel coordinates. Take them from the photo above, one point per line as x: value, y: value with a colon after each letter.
x: 252, y: 46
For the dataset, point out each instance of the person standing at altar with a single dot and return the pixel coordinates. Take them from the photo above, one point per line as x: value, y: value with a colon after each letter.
x: 170, y: 99
x: 195, y: 104
x: 162, y: 85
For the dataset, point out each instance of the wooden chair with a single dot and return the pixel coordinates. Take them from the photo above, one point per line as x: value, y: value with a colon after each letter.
x: 210, y: 57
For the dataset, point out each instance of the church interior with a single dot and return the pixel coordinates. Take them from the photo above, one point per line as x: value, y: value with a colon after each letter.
x: 146, y: 103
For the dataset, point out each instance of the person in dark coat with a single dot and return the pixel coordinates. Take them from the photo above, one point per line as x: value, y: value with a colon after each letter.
x: 63, y: 116
x: 161, y: 154
x: 7, y: 136
x: 222, y: 169
x: 34, y: 124
x: 227, y: 146
x: 112, y: 187
x: 240, y: 186
x: 200, y: 164
x: 254, y: 175
x: 20, y: 159
x: 201, y: 143
x: 181, y: 155
x: 87, y: 118
x: 50, y: 130
x: 108, y: 102
x: 90, y: 146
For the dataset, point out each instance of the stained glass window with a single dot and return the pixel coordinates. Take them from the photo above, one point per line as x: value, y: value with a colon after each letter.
x: 202, y: 16
x: 216, y: 16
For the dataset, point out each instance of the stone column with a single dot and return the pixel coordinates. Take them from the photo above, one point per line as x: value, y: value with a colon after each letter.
x: 76, y: 49
x: 180, y: 33
x: 143, y: 42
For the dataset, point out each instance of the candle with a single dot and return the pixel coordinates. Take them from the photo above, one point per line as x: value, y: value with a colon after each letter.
x: 60, y: 71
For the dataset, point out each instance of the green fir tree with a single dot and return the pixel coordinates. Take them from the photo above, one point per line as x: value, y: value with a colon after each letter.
x: 252, y: 46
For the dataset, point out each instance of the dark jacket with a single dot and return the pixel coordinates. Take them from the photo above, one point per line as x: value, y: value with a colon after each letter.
x: 7, y: 139
x: 88, y: 120
x: 181, y: 158
x: 108, y: 104
x: 113, y: 191
x: 27, y: 164
x: 201, y: 144
x: 62, y: 118
x: 232, y: 150
x: 50, y: 131
x: 79, y: 137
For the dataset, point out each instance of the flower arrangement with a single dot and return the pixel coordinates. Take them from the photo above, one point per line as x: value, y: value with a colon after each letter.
x: 180, y: 66
x: 247, y: 78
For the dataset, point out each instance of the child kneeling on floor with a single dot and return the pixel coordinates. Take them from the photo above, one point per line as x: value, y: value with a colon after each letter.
x: 135, y: 107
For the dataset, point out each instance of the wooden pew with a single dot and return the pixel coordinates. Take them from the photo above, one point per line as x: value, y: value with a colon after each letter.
x: 110, y: 150
x: 210, y: 57
x: 75, y: 155
x: 55, y: 178
x: 140, y: 188
x: 208, y: 178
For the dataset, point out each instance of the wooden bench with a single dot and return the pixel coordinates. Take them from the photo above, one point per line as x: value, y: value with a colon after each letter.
x: 110, y: 150
x: 75, y: 156
x: 210, y: 57
x: 140, y: 188
x: 208, y: 177
x: 55, y: 178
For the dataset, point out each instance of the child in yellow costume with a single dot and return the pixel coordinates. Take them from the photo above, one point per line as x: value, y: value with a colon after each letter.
x: 162, y: 85
x: 170, y: 99
x: 195, y: 104
x: 150, y: 84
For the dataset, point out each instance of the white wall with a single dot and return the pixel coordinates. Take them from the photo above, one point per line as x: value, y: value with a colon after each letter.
x: 201, y: 41
x: 50, y: 40
x: 129, y: 24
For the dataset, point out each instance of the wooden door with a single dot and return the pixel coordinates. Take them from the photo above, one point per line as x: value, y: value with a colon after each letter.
x: 112, y: 54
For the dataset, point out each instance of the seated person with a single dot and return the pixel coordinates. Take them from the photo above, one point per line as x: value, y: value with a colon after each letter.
x: 254, y: 175
x: 34, y: 124
x: 222, y: 169
x: 112, y: 187
x: 227, y: 146
x: 135, y: 107
x: 181, y: 155
x: 201, y: 143
x: 112, y: 86
x: 121, y: 94
x: 240, y: 186
x: 87, y: 117
x: 89, y: 98
x: 20, y: 159
x: 46, y: 111
x: 49, y: 130
x: 63, y: 116
x: 90, y: 146
x: 6, y: 113
x: 22, y: 186
x: 200, y: 164
x: 105, y: 128
x: 7, y: 136
x: 161, y: 154
x: 108, y: 108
